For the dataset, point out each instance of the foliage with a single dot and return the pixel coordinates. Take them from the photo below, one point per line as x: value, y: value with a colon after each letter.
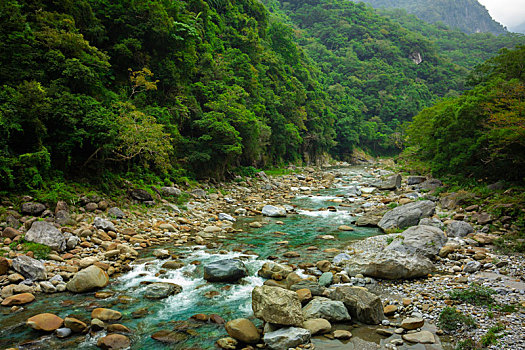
x: 40, y: 251
x: 475, y: 294
x: 491, y: 337
x: 450, y: 319
x: 492, y: 146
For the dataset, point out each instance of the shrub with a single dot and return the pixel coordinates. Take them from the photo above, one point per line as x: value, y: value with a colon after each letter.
x: 450, y: 319
x: 475, y: 295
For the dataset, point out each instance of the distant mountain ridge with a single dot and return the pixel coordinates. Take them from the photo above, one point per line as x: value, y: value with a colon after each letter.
x: 467, y: 15
x: 520, y: 28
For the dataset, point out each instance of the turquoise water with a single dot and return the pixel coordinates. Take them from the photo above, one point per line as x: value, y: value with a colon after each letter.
x: 230, y: 301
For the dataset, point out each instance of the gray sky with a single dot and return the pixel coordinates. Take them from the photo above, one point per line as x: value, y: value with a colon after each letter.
x: 507, y: 12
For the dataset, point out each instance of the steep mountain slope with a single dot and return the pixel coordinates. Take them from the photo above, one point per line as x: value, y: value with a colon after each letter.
x: 467, y: 15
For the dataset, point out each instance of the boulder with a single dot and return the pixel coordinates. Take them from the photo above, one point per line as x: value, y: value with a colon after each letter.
x: 75, y: 325
x: 243, y: 330
x: 430, y: 184
x: 326, y: 279
x: 412, y: 323
x: 353, y: 191
x: 227, y: 270
x: 340, y: 258
x: 105, y: 315
x: 362, y: 305
x: 116, y: 213
x: 114, y: 342
x: 63, y: 332
x: 45, y: 322
x: 424, y: 240
x: 391, y: 183
x: 46, y: 233
x: 416, y: 180
x: 4, y: 265
x: 342, y: 334
x: 160, y: 290
x: 18, y: 299
x: 371, y: 218
x: 389, y: 264
x: 88, y: 279
x: 331, y: 310
x: 141, y: 195
x: 407, y: 215
x: 432, y: 222
x: 170, y: 191
x: 286, y: 338
x: 32, y: 208
x: 277, y: 305
x: 459, y: 228
x: 10, y: 233
x: 273, y: 211
x: 314, y: 287
x: 423, y: 337
x: 317, y: 326
x: 227, y: 343
x: 103, y: 224
x: 272, y: 269
x: 29, y: 268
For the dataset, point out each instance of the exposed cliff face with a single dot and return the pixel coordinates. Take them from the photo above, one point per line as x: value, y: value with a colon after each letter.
x: 467, y: 15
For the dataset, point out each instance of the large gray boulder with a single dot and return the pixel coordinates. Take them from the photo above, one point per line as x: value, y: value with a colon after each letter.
x: 29, y: 268
x: 424, y: 240
x: 88, y: 279
x: 331, y: 310
x: 388, y: 264
x: 286, y: 338
x: 362, y: 305
x: 407, y: 215
x: 141, y: 195
x: 391, y: 183
x: 277, y: 305
x: 272, y: 269
x: 227, y: 270
x: 33, y: 208
x: 459, y: 229
x: 46, y: 233
x: 170, y: 191
x: 315, y: 288
x: 415, y: 180
x: 273, y: 211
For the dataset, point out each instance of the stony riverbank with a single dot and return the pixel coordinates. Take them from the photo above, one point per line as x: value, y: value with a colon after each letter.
x: 391, y: 287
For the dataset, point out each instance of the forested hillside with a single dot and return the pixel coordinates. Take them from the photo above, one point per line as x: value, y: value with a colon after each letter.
x: 466, y: 50
x: 467, y: 15
x: 91, y: 88
x: 481, y: 133
x: 95, y: 86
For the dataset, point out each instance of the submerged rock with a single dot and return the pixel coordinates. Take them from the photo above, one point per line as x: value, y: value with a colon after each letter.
x: 18, y: 299
x: 277, y: 305
x: 244, y: 330
x: 114, y: 342
x: 228, y: 270
x: 160, y: 290
x: 45, y: 322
